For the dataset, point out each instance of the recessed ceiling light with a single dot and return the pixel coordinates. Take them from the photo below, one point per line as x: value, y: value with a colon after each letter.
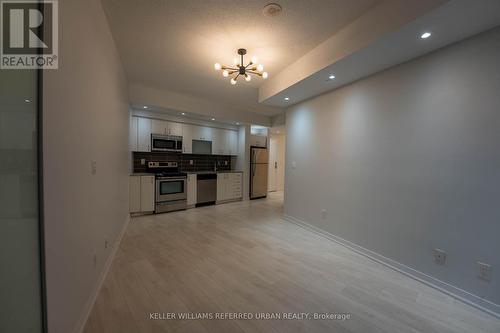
x: 144, y: 107
x: 278, y: 132
x: 425, y: 35
x: 237, y: 123
x: 331, y: 77
x: 213, y: 118
x: 27, y: 101
x: 287, y: 98
x: 183, y: 113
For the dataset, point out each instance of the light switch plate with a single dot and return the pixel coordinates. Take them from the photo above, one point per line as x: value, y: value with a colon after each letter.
x: 439, y: 256
x: 484, y: 271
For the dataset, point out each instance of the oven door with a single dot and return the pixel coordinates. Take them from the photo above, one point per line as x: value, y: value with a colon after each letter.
x: 169, y: 189
x: 163, y: 144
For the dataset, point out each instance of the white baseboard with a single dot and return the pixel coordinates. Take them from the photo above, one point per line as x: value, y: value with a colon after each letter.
x: 455, y: 292
x: 92, y: 298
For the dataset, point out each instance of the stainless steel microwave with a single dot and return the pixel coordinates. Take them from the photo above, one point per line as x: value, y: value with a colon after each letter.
x: 166, y: 143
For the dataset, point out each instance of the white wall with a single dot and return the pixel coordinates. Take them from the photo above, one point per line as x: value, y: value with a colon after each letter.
x: 406, y: 161
x: 85, y: 118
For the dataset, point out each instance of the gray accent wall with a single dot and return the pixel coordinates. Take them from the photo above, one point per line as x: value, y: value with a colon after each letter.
x: 406, y: 161
x: 86, y: 118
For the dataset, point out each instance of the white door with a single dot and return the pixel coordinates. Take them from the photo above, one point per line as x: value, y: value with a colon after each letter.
x: 276, y: 163
x: 273, y: 163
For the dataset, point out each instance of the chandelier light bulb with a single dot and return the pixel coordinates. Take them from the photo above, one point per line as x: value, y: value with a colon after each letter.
x: 247, y: 77
x: 254, y: 60
x: 265, y: 75
x: 233, y: 81
x: 217, y: 67
x: 260, y: 68
x: 225, y: 73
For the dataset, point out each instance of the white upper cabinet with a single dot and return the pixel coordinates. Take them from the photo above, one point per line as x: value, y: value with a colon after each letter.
x: 187, y: 138
x: 174, y: 128
x: 224, y: 141
x: 218, y: 141
x: 158, y: 127
x: 133, y: 134
x: 258, y: 140
x: 166, y: 127
x: 143, y: 134
x: 202, y: 133
x: 231, y: 143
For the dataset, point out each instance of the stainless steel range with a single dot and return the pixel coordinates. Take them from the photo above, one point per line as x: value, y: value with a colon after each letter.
x: 171, y: 187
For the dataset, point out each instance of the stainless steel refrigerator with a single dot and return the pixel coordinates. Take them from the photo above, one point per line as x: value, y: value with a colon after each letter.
x: 259, y: 159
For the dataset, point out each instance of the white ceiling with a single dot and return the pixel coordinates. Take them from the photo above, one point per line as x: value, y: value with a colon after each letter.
x: 450, y: 22
x: 173, y: 44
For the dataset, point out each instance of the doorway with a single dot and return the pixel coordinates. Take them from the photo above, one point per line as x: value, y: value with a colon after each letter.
x: 276, y: 160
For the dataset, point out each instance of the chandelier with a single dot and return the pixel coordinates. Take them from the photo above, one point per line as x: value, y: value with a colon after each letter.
x: 240, y: 70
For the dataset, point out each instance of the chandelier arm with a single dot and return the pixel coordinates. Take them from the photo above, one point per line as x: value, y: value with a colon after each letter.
x: 254, y: 72
x: 230, y: 68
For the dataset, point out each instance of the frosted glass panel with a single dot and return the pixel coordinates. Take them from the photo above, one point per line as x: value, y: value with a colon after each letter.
x: 20, y: 295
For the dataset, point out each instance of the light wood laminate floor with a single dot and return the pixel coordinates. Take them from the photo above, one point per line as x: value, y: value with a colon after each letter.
x: 243, y: 258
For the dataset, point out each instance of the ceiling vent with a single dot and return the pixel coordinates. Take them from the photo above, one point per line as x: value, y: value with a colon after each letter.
x: 272, y: 10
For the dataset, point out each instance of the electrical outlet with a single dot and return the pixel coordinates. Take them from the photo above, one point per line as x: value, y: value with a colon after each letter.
x: 294, y: 165
x: 484, y: 271
x: 143, y: 161
x: 439, y: 256
x: 323, y: 214
x: 93, y: 167
x: 191, y: 162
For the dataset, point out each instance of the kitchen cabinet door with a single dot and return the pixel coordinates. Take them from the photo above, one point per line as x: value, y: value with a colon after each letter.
x: 218, y: 141
x: 187, y: 138
x: 258, y: 140
x: 135, y: 194
x: 147, y: 193
x: 159, y: 127
x: 191, y: 190
x: 221, y: 186
x: 231, y: 142
x: 133, y: 134
x: 143, y: 134
x: 202, y: 133
x: 174, y: 128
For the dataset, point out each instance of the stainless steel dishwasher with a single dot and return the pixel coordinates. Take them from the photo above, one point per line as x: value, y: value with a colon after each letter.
x: 206, y: 189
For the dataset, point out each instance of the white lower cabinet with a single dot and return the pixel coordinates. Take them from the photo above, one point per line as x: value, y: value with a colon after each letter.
x: 191, y: 190
x: 229, y: 186
x: 142, y: 194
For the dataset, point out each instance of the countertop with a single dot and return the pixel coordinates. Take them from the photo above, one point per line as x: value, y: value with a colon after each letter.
x: 189, y: 172
x: 209, y: 172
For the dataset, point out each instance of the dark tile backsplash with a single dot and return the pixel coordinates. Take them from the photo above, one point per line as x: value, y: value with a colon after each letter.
x: 200, y: 162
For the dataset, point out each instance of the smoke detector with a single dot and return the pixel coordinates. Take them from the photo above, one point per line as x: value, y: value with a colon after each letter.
x: 272, y: 10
